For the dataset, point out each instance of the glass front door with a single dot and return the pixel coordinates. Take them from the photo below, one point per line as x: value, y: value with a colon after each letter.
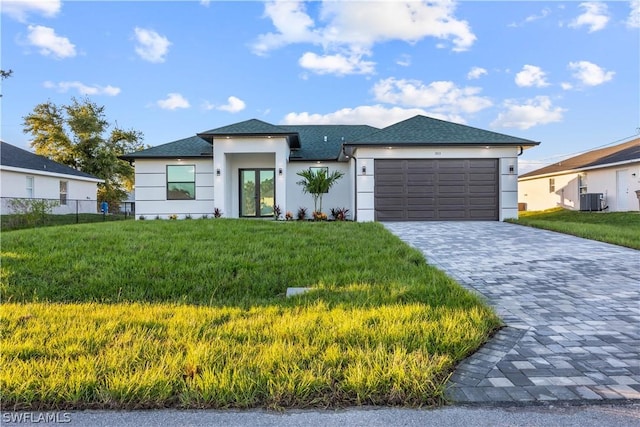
x: 257, y: 192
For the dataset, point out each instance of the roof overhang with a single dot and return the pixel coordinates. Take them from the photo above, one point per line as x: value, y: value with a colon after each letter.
x: 293, y: 138
x: 51, y: 174
x: 578, y: 170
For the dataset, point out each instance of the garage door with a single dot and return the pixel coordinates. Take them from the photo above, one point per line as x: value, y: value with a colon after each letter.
x: 436, y: 190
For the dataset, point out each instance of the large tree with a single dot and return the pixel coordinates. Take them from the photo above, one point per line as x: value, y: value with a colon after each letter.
x: 78, y: 135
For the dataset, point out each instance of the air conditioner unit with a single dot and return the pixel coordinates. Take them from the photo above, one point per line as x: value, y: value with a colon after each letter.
x: 591, y: 202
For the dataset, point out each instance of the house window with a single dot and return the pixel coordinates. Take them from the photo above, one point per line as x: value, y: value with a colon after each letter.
x: 63, y: 192
x: 318, y: 169
x: 582, y: 183
x: 30, y: 187
x: 181, y: 182
x: 552, y: 185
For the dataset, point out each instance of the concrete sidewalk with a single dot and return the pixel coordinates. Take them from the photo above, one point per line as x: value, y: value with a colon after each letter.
x: 571, y: 308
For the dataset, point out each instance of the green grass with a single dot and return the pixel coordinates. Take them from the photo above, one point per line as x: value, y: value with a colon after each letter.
x: 152, y: 314
x: 618, y: 228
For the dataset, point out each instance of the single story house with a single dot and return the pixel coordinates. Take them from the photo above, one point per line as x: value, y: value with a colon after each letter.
x: 25, y: 175
x: 603, y: 179
x: 418, y: 169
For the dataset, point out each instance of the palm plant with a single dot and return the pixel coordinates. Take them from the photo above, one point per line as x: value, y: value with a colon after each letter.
x: 317, y: 183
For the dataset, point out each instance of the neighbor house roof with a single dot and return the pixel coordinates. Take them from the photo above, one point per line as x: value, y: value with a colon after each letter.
x: 421, y: 130
x: 14, y: 157
x: 325, y: 142
x: 622, y: 153
x: 191, y: 147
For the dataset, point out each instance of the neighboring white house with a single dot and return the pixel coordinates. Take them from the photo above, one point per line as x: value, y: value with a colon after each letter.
x: 608, y: 177
x: 25, y: 175
x: 418, y: 169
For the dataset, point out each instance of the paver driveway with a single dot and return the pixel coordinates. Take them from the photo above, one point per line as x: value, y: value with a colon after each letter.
x: 571, y: 307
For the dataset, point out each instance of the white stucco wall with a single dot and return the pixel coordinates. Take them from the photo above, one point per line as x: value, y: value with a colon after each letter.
x: 81, y: 192
x: 339, y: 196
x: 365, y: 156
x: 617, y: 184
x: 151, y: 189
x: 232, y: 154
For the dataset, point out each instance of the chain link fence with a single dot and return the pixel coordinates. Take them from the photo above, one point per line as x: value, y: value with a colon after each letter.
x: 18, y: 213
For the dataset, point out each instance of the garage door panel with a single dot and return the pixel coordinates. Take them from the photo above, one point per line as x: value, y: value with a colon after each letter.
x: 436, y: 189
x: 421, y: 190
x: 418, y: 202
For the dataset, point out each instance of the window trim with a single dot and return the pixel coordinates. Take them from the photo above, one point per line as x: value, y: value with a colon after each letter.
x: 180, y: 182
x: 64, y: 194
x: 30, y: 185
x: 582, y: 183
x: 552, y: 185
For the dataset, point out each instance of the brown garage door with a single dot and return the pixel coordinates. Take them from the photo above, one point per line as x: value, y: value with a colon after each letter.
x: 436, y: 190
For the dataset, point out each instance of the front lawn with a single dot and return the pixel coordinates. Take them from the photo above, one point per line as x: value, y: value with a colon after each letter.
x: 618, y: 228
x: 192, y: 313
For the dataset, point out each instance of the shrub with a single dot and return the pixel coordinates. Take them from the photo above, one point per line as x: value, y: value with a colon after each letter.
x: 302, y: 214
x: 319, y: 216
x: 288, y: 216
x: 173, y: 216
x: 339, y: 214
x: 217, y: 213
x: 277, y: 212
x: 33, y: 211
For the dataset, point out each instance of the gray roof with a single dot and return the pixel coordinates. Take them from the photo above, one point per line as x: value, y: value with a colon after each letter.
x: 421, y: 130
x: 191, y: 147
x: 625, y: 152
x: 12, y: 156
x: 324, y: 142
x: 248, y: 127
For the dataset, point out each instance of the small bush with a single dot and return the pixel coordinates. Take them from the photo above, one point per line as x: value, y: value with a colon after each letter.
x: 277, y: 212
x: 288, y: 216
x: 217, y: 213
x: 339, y: 214
x: 319, y: 216
x: 301, y: 214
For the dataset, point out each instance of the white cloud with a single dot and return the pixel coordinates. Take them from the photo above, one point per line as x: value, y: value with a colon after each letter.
x: 531, y: 18
x: 442, y: 97
x: 151, y: 46
x: 82, y: 88
x: 20, y: 9
x: 534, y: 112
x: 351, y: 28
x: 292, y: 23
x: 531, y: 75
x: 364, y: 23
x: 404, y: 60
x: 372, y: 115
x: 50, y: 43
x: 205, y: 3
x: 173, y: 101
x: 595, y: 16
x: 633, y: 21
x: 590, y: 74
x: 566, y: 86
x: 233, y: 105
x: 336, y: 64
x: 476, y: 73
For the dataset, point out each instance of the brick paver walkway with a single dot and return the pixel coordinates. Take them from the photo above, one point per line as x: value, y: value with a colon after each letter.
x: 571, y: 308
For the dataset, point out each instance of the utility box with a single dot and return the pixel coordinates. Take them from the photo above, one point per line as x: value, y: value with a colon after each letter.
x: 591, y: 202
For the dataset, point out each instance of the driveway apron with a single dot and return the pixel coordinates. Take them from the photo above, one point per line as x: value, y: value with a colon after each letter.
x: 571, y: 308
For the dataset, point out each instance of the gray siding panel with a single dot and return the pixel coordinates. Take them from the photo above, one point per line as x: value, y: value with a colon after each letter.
x: 434, y: 190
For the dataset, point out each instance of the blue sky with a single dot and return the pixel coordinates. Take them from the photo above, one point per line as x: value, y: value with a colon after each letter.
x: 563, y: 73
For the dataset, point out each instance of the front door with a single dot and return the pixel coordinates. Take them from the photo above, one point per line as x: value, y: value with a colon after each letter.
x: 257, y: 192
